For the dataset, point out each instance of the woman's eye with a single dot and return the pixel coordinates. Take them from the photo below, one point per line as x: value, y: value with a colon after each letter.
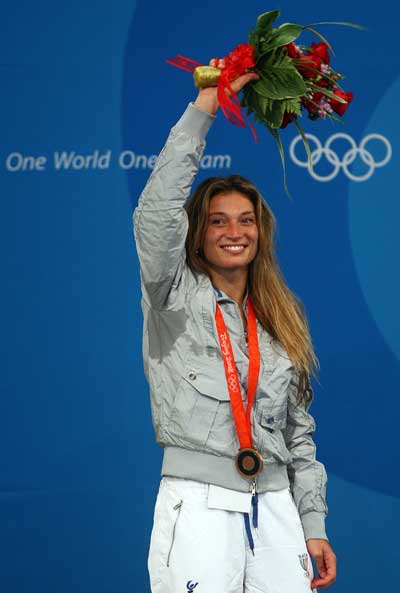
x: 248, y: 220
x: 217, y: 221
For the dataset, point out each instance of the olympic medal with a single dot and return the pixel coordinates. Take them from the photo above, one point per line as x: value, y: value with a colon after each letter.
x: 249, y: 462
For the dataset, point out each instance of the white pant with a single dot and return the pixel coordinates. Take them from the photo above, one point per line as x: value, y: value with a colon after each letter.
x: 195, y: 549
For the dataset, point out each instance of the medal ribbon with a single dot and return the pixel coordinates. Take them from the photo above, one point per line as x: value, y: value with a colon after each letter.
x: 241, y: 416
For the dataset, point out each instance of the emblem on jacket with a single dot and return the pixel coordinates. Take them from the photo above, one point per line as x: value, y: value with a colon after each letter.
x: 303, y: 559
x: 190, y: 586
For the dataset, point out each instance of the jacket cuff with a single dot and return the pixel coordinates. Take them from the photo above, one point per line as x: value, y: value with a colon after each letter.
x: 314, y: 525
x: 195, y: 122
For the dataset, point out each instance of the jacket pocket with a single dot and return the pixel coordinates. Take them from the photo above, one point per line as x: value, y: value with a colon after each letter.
x: 201, y: 399
x: 272, y: 416
x: 271, y: 419
x: 166, y: 519
x: 177, y: 508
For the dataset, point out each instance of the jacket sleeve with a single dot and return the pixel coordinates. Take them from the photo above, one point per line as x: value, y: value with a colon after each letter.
x: 307, y: 476
x: 160, y: 221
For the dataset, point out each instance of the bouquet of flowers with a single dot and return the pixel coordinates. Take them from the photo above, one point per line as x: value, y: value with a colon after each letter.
x: 293, y: 79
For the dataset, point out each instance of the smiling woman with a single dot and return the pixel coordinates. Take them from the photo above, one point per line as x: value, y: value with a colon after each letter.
x: 230, y: 242
x: 228, y: 356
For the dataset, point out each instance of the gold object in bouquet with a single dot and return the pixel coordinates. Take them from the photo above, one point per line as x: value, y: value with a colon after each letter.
x: 206, y: 76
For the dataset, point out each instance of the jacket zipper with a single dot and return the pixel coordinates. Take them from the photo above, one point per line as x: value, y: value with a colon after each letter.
x: 177, y: 507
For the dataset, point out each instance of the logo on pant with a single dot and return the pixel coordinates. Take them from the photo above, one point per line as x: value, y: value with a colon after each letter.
x: 303, y: 559
x: 190, y: 586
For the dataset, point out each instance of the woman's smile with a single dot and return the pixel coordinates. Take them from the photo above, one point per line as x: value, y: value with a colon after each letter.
x: 234, y: 248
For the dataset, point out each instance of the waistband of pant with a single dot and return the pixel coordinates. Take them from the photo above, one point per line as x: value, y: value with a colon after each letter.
x: 220, y: 471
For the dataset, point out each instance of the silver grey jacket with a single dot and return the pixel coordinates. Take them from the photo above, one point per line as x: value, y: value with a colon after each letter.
x: 182, y: 360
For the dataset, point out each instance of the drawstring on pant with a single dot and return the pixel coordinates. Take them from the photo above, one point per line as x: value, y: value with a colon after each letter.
x: 248, y: 531
x: 254, y: 505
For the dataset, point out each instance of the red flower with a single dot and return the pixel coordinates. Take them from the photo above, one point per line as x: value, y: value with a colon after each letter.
x: 311, y: 62
x: 287, y: 118
x: 239, y: 61
x: 340, y: 108
x: 316, y: 98
x: 321, y: 50
x: 323, y: 82
x: 292, y: 50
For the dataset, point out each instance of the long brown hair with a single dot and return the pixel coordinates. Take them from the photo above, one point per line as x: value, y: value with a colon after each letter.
x: 279, y: 311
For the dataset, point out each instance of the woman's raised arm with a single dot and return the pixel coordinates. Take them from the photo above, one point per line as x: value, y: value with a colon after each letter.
x: 160, y: 221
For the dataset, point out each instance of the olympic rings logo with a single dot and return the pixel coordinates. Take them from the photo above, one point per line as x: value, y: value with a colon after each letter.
x: 347, y: 159
x: 232, y: 382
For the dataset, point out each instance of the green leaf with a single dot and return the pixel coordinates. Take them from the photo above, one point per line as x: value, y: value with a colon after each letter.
x: 253, y: 38
x: 276, y: 65
x: 292, y: 106
x: 325, y: 91
x: 268, y: 111
x: 284, y: 34
x: 343, y: 23
x: 280, y: 82
x: 319, y: 73
x: 306, y: 144
x: 335, y: 117
x: 265, y: 20
x: 277, y: 137
x: 320, y: 37
x: 261, y: 88
x: 273, y: 112
x: 265, y: 57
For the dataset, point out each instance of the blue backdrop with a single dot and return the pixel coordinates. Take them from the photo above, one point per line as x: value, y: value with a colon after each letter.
x: 86, y: 102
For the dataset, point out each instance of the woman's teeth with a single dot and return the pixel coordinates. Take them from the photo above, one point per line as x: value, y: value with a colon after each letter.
x: 233, y: 248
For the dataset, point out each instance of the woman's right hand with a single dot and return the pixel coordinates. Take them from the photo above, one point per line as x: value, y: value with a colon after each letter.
x: 207, y: 99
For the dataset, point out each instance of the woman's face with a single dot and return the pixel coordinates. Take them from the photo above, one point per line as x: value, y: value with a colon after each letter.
x: 231, y: 239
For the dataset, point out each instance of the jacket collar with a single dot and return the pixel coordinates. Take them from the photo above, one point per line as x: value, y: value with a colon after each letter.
x: 222, y: 297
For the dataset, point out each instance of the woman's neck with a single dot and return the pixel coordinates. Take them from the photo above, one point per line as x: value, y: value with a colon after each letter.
x: 232, y: 282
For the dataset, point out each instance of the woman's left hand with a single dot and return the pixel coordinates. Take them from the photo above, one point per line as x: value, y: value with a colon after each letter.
x: 325, y: 560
